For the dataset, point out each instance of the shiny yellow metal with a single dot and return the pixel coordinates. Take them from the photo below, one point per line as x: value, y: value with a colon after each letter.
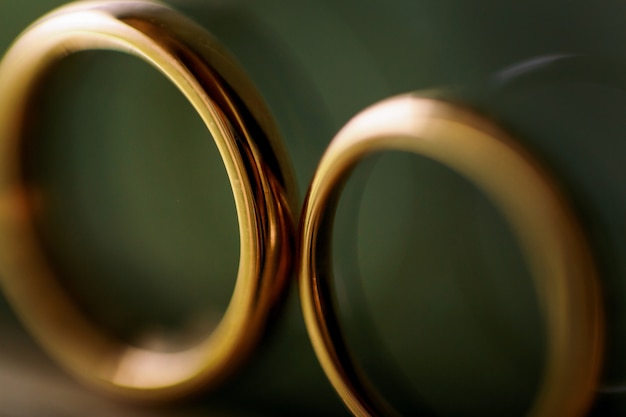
x: 549, y: 236
x: 257, y: 165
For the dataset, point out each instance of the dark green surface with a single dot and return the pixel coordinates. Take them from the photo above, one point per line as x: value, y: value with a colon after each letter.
x: 138, y: 211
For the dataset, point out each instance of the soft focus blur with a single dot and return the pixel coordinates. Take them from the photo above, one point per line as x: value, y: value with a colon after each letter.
x: 433, y: 291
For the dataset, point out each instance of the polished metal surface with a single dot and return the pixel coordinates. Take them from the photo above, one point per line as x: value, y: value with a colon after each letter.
x: 434, y: 294
x: 258, y: 169
x: 553, y: 243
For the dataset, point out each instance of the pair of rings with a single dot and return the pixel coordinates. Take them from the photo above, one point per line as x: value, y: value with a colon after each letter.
x: 272, y: 247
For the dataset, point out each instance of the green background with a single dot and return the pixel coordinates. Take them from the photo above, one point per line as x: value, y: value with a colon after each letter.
x: 434, y: 294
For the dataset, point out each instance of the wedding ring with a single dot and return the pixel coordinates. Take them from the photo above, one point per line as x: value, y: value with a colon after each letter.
x: 551, y: 240
x: 258, y: 169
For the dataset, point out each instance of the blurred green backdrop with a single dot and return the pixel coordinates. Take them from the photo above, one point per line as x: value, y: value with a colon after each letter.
x: 434, y: 293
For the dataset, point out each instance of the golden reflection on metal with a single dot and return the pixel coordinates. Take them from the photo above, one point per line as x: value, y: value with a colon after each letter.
x: 257, y: 166
x: 552, y: 242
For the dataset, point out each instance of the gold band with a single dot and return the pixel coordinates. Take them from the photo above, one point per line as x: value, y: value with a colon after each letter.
x: 552, y: 243
x: 260, y: 175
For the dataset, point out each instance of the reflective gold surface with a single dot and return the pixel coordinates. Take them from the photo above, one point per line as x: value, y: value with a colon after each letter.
x: 552, y: 242
x: 257, y: 167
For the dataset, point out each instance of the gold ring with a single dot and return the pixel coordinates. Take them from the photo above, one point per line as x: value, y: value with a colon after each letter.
x: 257, y: 165
x: 552, y: 243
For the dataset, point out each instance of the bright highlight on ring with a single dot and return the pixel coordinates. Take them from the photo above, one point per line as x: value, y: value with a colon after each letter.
x: 262, y: 182
x: 551, y: 240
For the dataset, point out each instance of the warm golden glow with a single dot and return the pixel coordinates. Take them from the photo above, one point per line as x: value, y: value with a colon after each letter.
x: 264, y: 194
x: 551, y: 239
